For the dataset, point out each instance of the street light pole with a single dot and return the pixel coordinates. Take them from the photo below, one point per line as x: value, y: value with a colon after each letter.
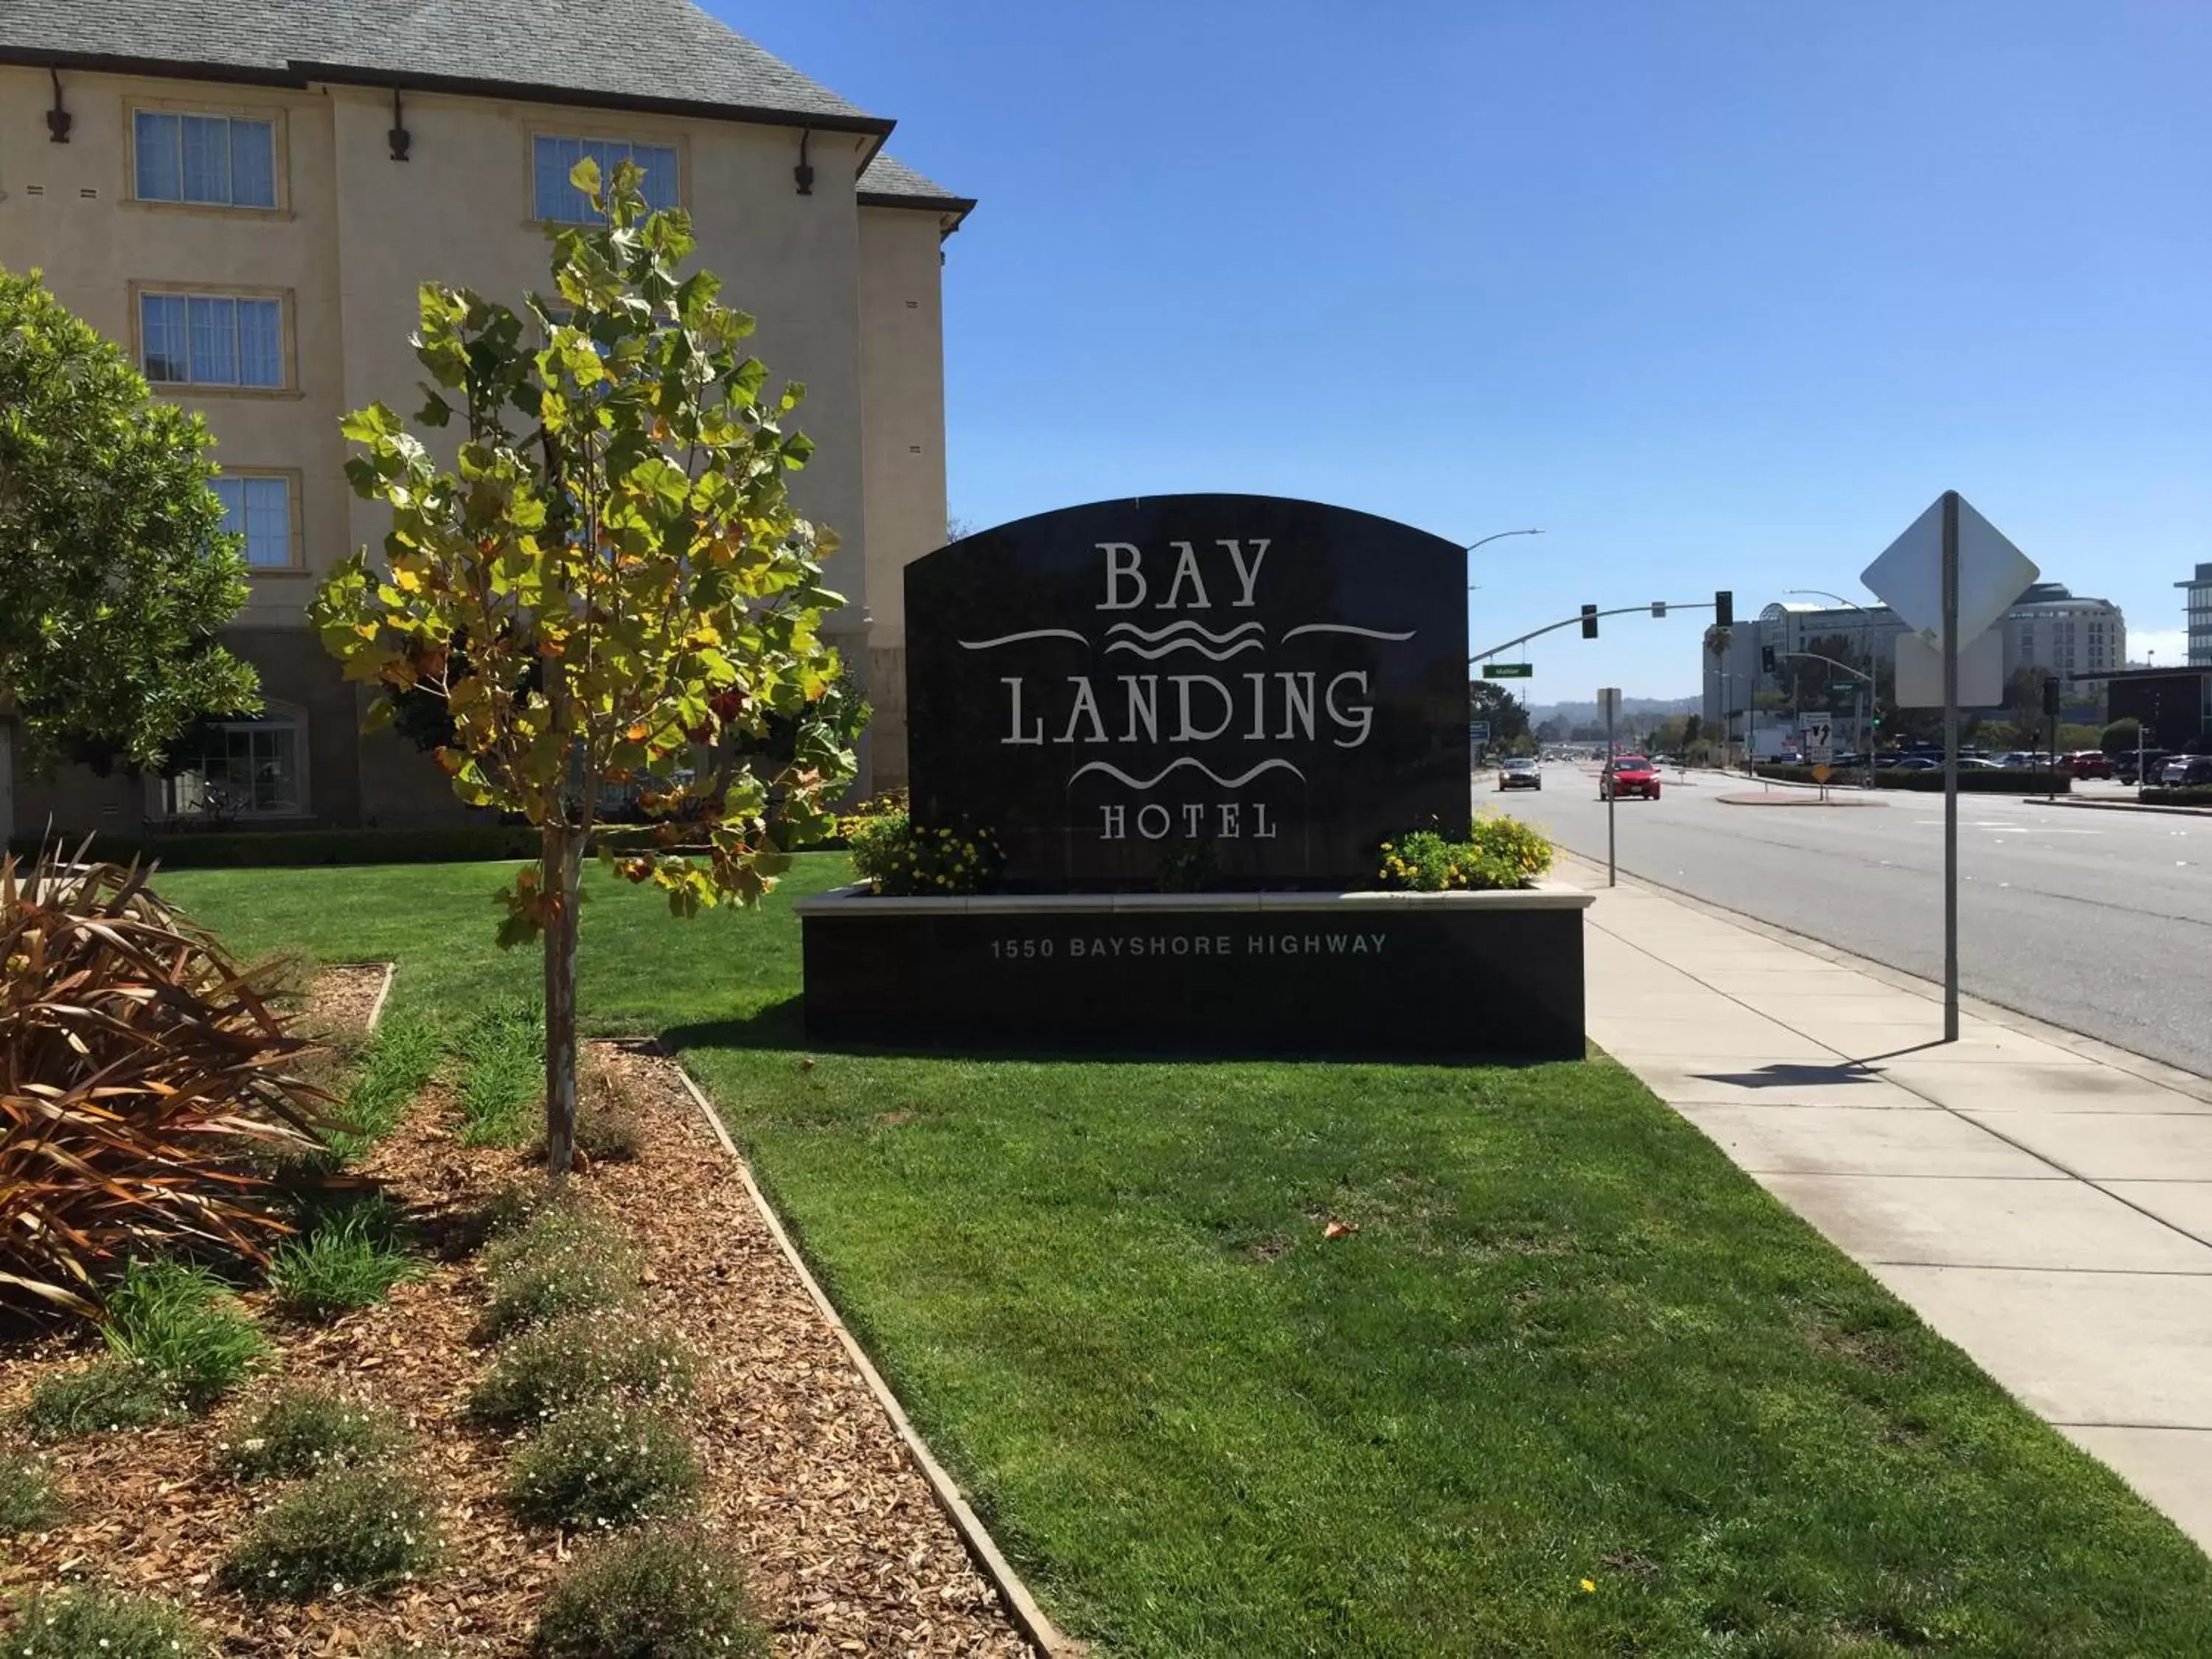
x: 1496, y: 536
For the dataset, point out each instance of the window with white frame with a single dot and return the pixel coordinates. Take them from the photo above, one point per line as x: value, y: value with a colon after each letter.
x: 238, y: 769
x: 260, y: 509
x: 210, y: 160
x: 552, y: 159
x: 211, y: 339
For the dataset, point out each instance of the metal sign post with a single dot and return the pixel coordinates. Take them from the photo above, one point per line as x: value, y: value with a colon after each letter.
x: 1950, y: 766
x: 1610, y: 697
x: 1949, y: 577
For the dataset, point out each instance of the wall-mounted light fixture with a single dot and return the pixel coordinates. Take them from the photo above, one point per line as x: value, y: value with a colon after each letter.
x: 58, y: 119
x: 398, y: 136
x: 804, y: 172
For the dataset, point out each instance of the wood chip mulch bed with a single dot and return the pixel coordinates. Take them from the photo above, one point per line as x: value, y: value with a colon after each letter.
x: 806, y: 1478
x: 342, y: 998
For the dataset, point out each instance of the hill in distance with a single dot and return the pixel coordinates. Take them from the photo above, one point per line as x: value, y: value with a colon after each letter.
x: 1582, y: 714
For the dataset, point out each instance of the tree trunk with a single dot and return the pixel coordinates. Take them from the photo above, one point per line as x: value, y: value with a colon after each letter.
x: 560, y: 873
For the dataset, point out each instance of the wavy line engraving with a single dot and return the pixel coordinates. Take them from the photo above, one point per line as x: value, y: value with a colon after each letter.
x: 1346, y: 627
x: 1238, y: 781
x: 1186, y: 625
x: 1034, y: 634
x: 1157, y: 651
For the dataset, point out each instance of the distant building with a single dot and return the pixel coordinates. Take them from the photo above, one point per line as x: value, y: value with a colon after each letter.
x: 2174, y: 704
x: 2083, y: 641
x: 2199, y: 589
x: 248, y: 194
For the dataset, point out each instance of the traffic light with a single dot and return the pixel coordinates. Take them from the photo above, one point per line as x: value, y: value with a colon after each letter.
x: 2050, y: 698
x: 1766, y: 659
x: 1589, y: 621
x: 1724, y: 608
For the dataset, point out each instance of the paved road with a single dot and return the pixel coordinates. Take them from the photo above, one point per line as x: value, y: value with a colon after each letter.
x: 2098, y: 922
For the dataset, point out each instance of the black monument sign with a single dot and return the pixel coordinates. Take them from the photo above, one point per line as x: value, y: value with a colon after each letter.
x: 1268, y: 687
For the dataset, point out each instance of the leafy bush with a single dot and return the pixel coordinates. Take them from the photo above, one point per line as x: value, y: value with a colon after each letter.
x: 181, y: 1324
x: 102, y: 988
x: 2181, y: 794
x: 304, y: 1430
x: 80, y: 1624
x: 347, y: 1261
x: 897, y: 857
x: 349, y: 1529
x: 28, y: 1501
x: 237, y: 850
x: 115, y: 1393
x: 1972, y: 780
x: 603, y: 1463
x: 502, y: 1082
x: 660, y: 1594
x: 1499, y: 853
x: 580, y: 1357
x: 564, y: 1261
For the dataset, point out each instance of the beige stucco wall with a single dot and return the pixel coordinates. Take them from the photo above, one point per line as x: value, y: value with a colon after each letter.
x: 358, y: 232
x: 903, y: 451
x: 94, y: 249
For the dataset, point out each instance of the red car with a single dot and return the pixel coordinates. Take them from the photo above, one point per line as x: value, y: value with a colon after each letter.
x: 1628, y: 775
x: 2086, y: 763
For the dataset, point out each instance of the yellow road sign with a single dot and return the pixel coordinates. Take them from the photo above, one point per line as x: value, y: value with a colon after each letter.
x: 1823, y: 773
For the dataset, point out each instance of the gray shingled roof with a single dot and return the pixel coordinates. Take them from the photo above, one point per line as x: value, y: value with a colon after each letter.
x: 662, y: 51
x: 886, y: 177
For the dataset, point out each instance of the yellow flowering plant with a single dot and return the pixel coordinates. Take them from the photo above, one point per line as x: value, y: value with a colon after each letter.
x: 1499, y: 852
x: 901, y: 858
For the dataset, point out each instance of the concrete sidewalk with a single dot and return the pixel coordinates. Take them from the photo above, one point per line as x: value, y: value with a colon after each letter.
x: 2042, y: 1201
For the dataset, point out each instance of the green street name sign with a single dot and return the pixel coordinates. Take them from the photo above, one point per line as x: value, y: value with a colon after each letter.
x: 1507, y: 671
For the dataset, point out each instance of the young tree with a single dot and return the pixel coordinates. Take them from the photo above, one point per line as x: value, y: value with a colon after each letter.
x: 613, y: 587
x: 115, y: 573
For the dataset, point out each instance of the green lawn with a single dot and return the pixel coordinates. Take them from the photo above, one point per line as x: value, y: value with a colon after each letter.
x: 1568, y: 1341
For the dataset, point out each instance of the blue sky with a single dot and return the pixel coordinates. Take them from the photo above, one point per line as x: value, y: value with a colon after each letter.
x: 1719, y: 294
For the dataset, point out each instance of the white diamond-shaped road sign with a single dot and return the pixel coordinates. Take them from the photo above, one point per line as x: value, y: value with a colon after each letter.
x: 1908, y: 577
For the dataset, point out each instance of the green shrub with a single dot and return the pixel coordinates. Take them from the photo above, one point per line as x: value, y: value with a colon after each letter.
x: 603, y: 1463
x: 1498, y: 852
x: 178, y: 1322
x: 661, y: 1593
x: 28, y: 1501
x: 1972, y: 780
x: 502, y: 1082
x: 896, y: 856
x: 115, y: 1393
x: 580, y: 1357
x: 347, y: 1530
x: 238, y: 849
x: 93, y: 1624
x: 2181, y: 794
x: 346, y: 1260
x: 565, y: 1260
x: 304, y: 1430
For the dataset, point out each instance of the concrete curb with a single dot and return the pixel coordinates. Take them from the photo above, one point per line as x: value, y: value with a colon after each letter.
x: 1858, y: 798
x: 1020, y: 1605
x: 383, y: 992
x: 2134, y: 1065
x: 2120, y: 806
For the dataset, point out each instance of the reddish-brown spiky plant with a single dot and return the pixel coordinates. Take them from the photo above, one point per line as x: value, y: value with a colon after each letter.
x: 144, y: 1083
